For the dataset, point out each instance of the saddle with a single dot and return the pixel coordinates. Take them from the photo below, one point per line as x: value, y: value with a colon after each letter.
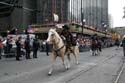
x: 68, y: 43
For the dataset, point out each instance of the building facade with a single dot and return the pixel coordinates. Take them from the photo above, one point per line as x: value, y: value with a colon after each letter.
x: 49, y: 7
x: 19, y: 18
x: 120, y: 30
x: 95, y: 12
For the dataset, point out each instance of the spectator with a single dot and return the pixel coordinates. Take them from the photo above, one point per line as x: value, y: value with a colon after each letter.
x: 35, y: 47
x: 117, y: 43
x: 27, y: 47
x: 18, y: 51
x: 1, y: 47
x: 8, y: 46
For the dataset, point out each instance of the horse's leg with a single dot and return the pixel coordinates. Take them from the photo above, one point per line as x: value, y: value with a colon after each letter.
x: 53, y: 62
x: 62, y: 57
x: 75, y: 53
x: 93, y: 53
x: 98, y: 51
x: 68, y: 57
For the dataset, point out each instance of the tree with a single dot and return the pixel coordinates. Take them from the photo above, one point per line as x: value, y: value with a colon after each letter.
x: 112, y: 30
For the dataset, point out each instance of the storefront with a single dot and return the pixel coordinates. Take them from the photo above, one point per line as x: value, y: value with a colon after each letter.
x: 77, y: 30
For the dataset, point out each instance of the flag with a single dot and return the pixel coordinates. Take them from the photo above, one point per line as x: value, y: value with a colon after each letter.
x: 56, y: 17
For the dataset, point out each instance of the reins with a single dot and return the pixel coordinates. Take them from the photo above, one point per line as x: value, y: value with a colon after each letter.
x: 58, y: 49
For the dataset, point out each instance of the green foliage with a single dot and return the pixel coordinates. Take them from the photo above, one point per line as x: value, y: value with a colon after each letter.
x: 112, y: 30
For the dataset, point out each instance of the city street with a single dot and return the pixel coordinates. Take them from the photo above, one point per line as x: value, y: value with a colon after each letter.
x: 61, y: 26
x: 92, y: 69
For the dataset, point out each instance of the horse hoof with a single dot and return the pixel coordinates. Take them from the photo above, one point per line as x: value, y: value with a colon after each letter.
x: 78, y: 63
x: 49, y: 74
x: 66, y: 68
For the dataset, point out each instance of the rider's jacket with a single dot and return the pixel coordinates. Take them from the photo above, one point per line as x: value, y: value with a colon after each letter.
x: 68, y: 37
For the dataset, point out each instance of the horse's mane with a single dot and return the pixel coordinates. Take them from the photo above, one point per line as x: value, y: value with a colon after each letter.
x: 54, y: 31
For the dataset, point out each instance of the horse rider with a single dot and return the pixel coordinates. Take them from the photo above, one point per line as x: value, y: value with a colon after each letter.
x: 68, y: 37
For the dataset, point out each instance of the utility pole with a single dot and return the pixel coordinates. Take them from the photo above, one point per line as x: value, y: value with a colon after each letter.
x: 81, y: 12
x: 82, y: 18
x: 124, y: 12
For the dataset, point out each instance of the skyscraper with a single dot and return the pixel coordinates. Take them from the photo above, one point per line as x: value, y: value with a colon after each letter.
x: 95, y: 12
x: 49, y: 7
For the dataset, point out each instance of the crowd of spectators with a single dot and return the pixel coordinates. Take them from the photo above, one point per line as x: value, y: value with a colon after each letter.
x: 23, y: 46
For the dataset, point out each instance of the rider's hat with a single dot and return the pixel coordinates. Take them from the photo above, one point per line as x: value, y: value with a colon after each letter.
x: 65, y: 27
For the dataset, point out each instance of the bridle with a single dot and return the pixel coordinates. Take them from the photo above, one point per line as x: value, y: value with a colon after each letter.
x: 56, y: 50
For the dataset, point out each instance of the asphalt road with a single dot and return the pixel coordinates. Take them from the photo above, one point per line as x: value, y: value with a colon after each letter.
x: 92, y: 69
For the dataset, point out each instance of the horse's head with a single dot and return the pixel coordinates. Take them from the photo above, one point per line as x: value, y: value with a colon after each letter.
x: 52, y: 35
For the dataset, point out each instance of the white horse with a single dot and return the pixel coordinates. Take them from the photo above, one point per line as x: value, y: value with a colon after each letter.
x: 59, y: 49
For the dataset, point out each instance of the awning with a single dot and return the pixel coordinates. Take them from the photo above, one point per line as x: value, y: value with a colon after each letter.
x: 40, y: 30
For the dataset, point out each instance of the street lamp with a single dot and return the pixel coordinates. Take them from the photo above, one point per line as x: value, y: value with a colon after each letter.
x: 103, y: 26
x: 83, y: 24
x: 8, y: 31
x: 105, y: 29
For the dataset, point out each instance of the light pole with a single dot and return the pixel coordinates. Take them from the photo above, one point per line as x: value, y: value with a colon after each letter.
x: 83, y: 24
x: 105, y: 27
x: 82, y: 18
x: 124, y: 12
